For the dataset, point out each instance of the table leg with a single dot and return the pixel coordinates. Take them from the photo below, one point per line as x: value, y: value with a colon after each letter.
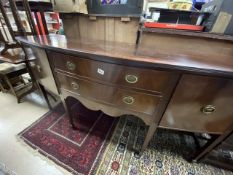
x: 67, y: 107
x: 52, y: 96
x: 149, y: 135
x: 45, y: 96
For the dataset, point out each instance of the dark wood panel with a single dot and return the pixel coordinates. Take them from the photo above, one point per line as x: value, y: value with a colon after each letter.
x: 202, y: 53
x: 188, y: 33
x: 111, y: 73
x: 122, y: 99
x: 195, y: 94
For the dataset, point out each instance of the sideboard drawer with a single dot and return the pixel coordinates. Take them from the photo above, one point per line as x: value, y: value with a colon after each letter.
x: 139, y: 78
x: 129, y: 100
x: 200, y: 104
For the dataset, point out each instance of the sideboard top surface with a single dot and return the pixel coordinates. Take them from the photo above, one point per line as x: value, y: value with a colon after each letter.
x: 116, y: 52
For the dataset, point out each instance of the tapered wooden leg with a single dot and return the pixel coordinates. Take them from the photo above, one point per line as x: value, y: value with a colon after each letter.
x: 1, y: 87
x: 197, y: 155
x: 67, y: 107
x: 52, y: 96
x: 11, y: 88
x: 149, y: 135
x: 45, y: 96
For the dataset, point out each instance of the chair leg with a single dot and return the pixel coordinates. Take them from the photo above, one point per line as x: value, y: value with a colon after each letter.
x: 2, y: 88
x: 11, y: 88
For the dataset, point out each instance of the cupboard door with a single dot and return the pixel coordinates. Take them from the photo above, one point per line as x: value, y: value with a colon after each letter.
x: 200, y: 104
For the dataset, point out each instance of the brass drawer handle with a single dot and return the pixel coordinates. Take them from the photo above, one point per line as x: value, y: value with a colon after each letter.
x: 70, y: 66
x: 74, y: 85
x: 208, y: 109
x: 128, y: 100
x: 131, y: 79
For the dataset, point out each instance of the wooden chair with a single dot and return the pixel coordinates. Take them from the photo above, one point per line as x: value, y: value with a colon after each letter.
x: 13, y: 58
x: 37, y: 9
x: 11, y: 76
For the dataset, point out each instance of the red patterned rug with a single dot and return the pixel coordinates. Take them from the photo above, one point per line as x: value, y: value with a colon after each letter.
x: 95, y: 149
x: 79, y: 151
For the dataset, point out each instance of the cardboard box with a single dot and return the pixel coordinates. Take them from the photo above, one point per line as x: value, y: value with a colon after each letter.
x: 70, y: 6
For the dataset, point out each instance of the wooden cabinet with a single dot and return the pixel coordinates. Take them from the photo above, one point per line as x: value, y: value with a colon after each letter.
x: 115, y: 89
x: 185, y: 88
x: 135, y: 90
x: 200, y: 104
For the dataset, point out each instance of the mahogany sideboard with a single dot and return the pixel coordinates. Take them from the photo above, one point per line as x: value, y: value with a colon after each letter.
x: 183, y: 84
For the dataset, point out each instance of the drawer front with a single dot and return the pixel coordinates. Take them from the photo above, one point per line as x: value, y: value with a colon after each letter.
x: 200, y: 104
x: 129, y: 100
x: 116, y: 74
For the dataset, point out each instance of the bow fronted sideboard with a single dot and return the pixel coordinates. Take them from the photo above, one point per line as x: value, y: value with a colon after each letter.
x: 182, y: 83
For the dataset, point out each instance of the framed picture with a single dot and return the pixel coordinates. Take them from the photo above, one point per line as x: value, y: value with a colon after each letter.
x: 113, y: 2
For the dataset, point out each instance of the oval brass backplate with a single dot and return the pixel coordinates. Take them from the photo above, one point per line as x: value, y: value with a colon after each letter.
x: 131, y: 79
x: 70, y: 66
x: 208, y: 109
x: 128, y: 100
x: 74, y: 85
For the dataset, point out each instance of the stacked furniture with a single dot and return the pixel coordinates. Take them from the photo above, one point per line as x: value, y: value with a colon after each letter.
x: 11, y: 79
x: 38, y: 8
x: 13, y: 66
